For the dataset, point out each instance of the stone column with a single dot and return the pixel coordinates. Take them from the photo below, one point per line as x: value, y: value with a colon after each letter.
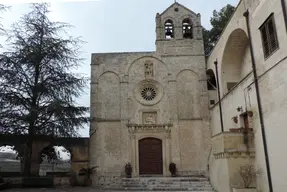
x: 125, y: 140
x: 167, y: 149
x: 175, y: 150
x: 132, y: 150
x: 37, y: 148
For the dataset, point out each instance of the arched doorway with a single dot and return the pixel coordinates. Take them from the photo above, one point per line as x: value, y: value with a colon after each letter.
x: 235, y: 61
x: 211, y: 81
x: 150, y: 156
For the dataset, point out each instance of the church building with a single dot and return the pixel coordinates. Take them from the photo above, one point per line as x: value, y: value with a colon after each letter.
x: 219, y: 117
x: 151, y: 109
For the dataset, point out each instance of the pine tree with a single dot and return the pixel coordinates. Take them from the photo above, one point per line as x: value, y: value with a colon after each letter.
x: 218, y: 22
x: 38, y: 90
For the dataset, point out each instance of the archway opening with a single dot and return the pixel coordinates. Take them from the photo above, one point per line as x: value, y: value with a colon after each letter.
x: 54, y: 160
x: 211, y: 80
x: 150, y: 156
x: 211, y: 86
x: 187, y: 28
x: 235, y: 62
x: 169, y: 29
x: 10, y: 161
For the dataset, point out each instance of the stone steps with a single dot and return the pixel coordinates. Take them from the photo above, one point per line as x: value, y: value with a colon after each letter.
x: 162, y: 184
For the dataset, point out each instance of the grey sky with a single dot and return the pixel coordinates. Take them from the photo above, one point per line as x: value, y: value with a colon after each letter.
x: 114, y: 25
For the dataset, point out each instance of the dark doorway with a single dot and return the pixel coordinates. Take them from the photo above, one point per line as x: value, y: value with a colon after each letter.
x: 150, y: 156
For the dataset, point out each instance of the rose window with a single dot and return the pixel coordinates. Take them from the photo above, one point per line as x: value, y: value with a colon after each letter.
x: 148, y: 93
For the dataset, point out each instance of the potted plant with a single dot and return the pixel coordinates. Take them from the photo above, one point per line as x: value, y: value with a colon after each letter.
x: 247, y: 173
x: 235, y: 119
x: 128, y: 170
x: 88, y: 172
x: 172, y: 169
x: 250, y: 113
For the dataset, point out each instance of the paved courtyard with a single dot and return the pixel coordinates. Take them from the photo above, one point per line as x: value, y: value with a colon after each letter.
x: 59, y: 189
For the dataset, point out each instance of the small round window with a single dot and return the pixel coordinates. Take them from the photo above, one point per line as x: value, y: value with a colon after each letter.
x: 148, y: 93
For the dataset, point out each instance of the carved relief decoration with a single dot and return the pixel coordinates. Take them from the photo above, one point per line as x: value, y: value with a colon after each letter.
x: 234, y: 154
x: 149, y: 118
x: 148, y: 69
x: 141, y: 128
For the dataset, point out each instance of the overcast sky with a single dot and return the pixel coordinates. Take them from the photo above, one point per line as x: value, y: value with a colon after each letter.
x: 113, y: 25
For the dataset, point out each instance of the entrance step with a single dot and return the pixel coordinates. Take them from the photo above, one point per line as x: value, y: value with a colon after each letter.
x: 193, y: 183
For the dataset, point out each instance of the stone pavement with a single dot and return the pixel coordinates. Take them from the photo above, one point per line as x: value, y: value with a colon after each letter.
x: 59, y: 189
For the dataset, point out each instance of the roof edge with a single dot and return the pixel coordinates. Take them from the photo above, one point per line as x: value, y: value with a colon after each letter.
x: 180, y: 5
x: 225, y: 28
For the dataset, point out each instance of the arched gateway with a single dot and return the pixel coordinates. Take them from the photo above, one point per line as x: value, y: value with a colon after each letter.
x: 150, y: 156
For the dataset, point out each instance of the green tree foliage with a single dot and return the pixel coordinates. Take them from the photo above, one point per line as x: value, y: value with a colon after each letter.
x: 218, y: 23
x: 38, y: 91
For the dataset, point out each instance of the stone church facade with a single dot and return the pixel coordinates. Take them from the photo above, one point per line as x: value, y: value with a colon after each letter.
x: 154, y: 108
x: 151, y: 108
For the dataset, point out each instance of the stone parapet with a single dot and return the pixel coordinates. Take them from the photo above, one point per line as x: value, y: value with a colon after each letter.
x: 233, y: 144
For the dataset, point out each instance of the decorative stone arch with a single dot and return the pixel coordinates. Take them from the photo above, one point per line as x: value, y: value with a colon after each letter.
x: 105, y: 73
x: 78, y: 148
x: 188, y: 97
x: 233, y: 58
x: 186, y: 70
x: 187, y: 16
x: 107, y: 96
x: 175, y: 22
x: 144, y: 57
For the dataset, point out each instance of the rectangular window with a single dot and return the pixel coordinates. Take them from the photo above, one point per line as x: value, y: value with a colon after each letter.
x: 212, y: 102
x: 269, y: 36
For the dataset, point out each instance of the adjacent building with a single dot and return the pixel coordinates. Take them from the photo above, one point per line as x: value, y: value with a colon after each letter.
x: 233, y: 149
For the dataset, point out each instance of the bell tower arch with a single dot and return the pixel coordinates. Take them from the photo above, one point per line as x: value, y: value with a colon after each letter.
x: 178, y: 30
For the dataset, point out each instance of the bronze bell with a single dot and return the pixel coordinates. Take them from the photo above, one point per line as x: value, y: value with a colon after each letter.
x: 168, y: 33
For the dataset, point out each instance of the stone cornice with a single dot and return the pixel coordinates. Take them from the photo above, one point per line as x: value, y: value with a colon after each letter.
x: 228, y: 133
x: 105, y: 120
x: 234, y: 154
x: 149, y: 125
x: 156, y: 128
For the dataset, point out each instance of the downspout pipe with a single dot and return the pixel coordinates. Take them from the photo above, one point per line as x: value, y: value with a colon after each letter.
x: 219, y: 98
x: 283, y: 4
x: 260, y: 111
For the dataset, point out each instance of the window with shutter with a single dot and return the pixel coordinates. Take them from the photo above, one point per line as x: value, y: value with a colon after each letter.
x: 269, y: 36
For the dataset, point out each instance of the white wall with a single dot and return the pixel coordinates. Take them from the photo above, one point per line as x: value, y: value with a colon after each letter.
x: 273, y: 83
